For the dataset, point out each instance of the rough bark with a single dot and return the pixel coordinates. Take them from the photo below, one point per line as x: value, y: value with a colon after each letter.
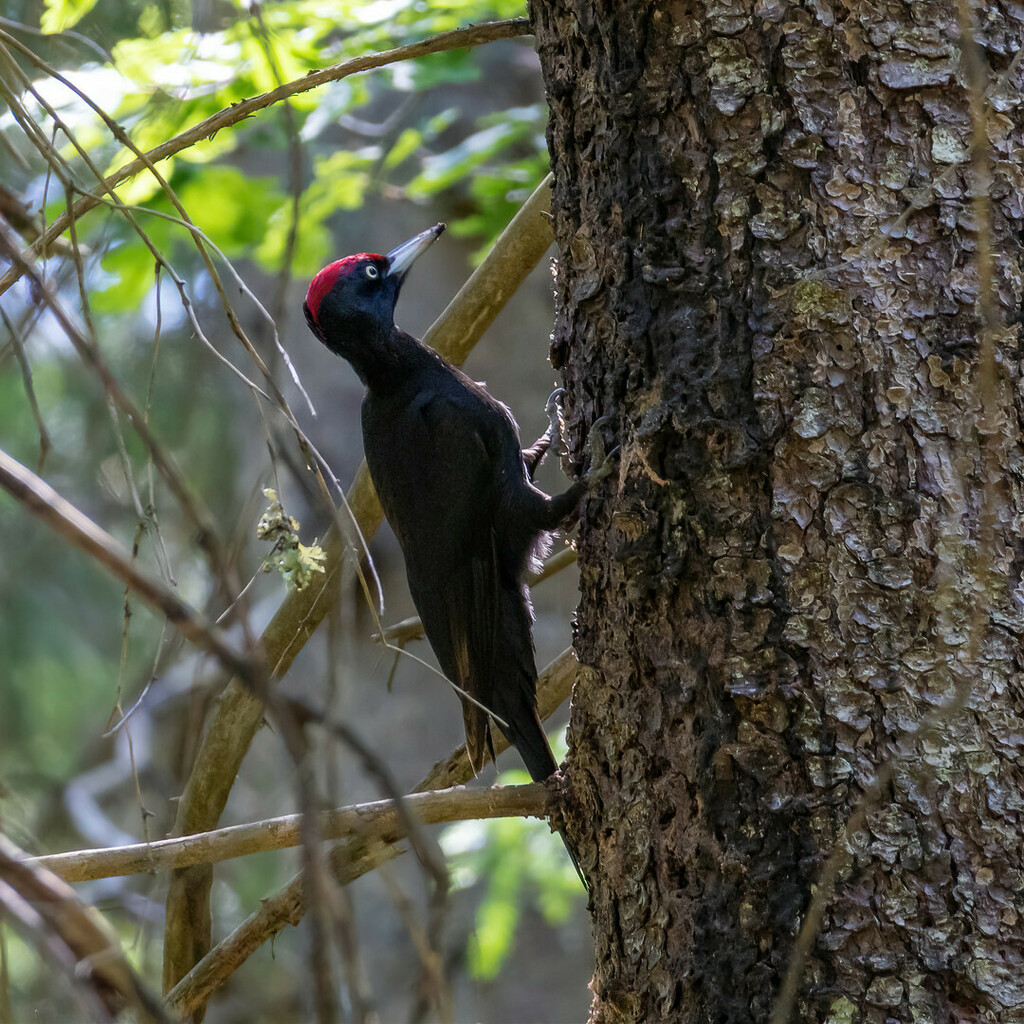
x: 767, y: 278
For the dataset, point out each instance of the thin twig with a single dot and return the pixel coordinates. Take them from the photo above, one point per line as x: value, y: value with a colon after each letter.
x: 44, y: 502
x: 45, y: 443
x: 284, y: 274
x: 237, y: 715
x: 195, y: 511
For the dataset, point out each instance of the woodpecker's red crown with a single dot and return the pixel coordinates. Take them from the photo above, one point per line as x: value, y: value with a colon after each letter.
x: 327, y: 278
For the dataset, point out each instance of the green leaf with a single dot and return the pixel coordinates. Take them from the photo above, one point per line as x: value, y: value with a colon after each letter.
x: 64, y: 14
x: 405, y: 145
x: 134, y: 271
x: 491, y: 943
x: 228, y: 205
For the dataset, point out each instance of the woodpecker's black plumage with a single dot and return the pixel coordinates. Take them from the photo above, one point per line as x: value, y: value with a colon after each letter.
x: 456, y: 487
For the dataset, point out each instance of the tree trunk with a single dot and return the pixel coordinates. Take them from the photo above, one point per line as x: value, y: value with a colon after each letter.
x: 768, y: 281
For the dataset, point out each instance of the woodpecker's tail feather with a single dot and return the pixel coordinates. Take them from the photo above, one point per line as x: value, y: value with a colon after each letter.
x: 526, y: 734
x: 507, y: 684
x: 478, y: 736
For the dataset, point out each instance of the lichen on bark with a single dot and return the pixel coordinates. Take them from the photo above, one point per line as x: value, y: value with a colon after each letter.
x: 767, y: 278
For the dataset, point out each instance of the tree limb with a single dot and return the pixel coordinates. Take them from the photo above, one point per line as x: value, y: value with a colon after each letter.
x: 74, y: 934
x: 60, y: 515
x: 199, y: 516
x: 378, y: 820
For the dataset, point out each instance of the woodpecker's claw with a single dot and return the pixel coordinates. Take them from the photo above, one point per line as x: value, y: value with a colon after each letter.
x: 553, y: 408
x: 601, y: 462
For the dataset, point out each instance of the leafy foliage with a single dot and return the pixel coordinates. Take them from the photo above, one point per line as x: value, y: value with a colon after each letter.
x: 165, y: 79
x: 296, y: 562
x: 61, y: 15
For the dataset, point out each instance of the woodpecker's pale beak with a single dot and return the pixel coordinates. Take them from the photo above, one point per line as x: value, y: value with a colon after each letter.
x: 402, y: 257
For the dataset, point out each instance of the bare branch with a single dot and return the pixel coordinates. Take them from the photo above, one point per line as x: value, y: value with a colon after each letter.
x: 45, y: 443
x: 74, y: 933
x: 238, y: 714
x: 193, y: 508
x: 378, y: 820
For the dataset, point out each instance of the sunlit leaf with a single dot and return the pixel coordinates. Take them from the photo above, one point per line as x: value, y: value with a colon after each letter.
x: 134, y: 278
x: 493, y: 936
x: 229, y: 206
x: 144, y: 186
x: 61, y: 15
x: 405, y: 145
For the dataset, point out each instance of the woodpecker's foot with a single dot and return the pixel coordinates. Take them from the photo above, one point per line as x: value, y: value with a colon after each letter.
x: 601, y: 462
x: 553, y: 407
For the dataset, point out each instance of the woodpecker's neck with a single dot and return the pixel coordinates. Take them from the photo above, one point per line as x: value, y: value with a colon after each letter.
x: 385, y: 360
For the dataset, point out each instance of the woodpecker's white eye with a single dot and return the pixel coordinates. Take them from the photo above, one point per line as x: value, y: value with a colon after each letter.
x: 372, y: 272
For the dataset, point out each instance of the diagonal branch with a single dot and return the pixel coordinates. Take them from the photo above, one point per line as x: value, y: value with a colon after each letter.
x: 75, y: 935
x: 474, y: 35
x: 44, y: 502
x: 196, y: 512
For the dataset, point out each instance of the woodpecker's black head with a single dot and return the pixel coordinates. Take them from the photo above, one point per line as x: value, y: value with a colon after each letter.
x: 351, y: 303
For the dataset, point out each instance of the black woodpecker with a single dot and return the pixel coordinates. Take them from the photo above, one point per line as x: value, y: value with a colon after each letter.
x: 457, y: 488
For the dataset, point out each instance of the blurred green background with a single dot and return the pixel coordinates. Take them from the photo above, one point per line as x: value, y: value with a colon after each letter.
x: 356, y: 165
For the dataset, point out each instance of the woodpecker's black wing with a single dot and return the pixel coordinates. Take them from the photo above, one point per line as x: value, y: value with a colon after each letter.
x: 448, y: 469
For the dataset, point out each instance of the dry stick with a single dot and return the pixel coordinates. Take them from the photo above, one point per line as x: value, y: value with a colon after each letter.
x: 238, y: 714
x: 200, y: 240
x: 348, y: 860
x: 202, y: 245
x: 309, y: 450
x: 284, y: 275
x: 378, y: 819
x: 222, y: 569
x: 456, y: 39
x: 59, y: 514
x: 990, y: 405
